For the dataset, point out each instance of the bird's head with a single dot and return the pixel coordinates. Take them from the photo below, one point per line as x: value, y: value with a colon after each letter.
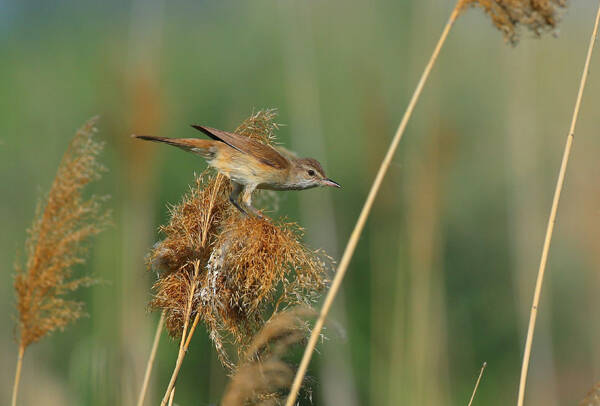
x: 307, y: 173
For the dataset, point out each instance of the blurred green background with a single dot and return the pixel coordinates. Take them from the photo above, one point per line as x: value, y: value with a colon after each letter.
x: 443, y: 276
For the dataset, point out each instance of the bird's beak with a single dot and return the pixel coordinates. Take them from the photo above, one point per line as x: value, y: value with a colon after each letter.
x: 329, y: 182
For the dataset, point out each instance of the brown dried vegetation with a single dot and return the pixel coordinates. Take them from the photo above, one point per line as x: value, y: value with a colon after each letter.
x: 55, y: 242
x: 263, y: 375
x: 250, y: 267
x: 507, y: 15
x: 593, y: 397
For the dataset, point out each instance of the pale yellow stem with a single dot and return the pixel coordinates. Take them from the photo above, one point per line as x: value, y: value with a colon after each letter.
x: 184, y: 343
x: 552, y: 218
x: 364, y: 214
x: 150, y: 363
x: 18, y: 375
x: 477, y: 383
x: 172, y: 397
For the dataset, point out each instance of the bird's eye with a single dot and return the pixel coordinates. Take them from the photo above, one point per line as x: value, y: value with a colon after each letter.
x: 311, y: 172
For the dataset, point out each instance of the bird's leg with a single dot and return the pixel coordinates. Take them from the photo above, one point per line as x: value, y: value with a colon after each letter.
x: 234, y: 196
x: 247, y: 200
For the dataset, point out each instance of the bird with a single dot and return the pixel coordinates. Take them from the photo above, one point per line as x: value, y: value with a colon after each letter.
x: 250, y: 164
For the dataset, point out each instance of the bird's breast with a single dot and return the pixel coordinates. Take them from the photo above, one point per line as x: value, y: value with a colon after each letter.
x: 246, y: 169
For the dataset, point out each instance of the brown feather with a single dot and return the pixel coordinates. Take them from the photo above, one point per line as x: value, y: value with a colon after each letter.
x: 199, y: 146
x: 264, y: 153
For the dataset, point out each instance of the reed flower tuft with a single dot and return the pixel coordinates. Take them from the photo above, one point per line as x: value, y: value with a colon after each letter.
x: 508, y: 15
x: 63, y: 222
x: 593, y: 397
x: 250, y: 268
x: 256, y: 267
x: 263, y: 375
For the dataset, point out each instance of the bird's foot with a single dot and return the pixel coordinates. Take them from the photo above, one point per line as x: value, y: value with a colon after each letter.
x: 257, y: 213
x: 248, y: 210
x: 237, y: 206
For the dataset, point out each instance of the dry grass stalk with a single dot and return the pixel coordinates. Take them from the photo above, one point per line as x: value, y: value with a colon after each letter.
x: 250, y: 268
x: 151, y: 358
x: 552, y: 218
x: 593, y: 397
x: 366, y: 210
x: 477, y: 383
x: 263, y: 375
x: 364, y: 214
x: 63, y: 222
x: 508, y: 15
x: 191, y: 285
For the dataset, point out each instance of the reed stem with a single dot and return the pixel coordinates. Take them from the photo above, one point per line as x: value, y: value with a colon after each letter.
x: 18, y: 375
x: 364, y: 214
x: 172, y: 397
x: 552, y: 218
x: 185, y: 337
x: 150, y: 363
x: 477, y: 383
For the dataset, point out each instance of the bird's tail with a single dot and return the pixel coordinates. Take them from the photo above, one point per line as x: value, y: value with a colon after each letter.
x: 195, y: 145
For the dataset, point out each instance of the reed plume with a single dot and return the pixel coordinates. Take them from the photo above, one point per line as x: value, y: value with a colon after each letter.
x: 263, y: 375
x: 508, y: 15
x: 64, y: 221
x: 593, y: 397
x: 249, y: 268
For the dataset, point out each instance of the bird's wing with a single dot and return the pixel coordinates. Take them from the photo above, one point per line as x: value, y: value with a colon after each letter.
x: 264, y: 153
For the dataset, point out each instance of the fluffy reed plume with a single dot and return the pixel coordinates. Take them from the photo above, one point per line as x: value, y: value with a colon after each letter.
x: 593, y: 397
x: 263, y: 375
x: 63, y: 222
x: 256, y: 267
x: 509, y: 15
x: 250, y: 268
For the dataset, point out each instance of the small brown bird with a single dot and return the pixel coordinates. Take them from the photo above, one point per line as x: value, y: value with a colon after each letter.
x: 251, y: 164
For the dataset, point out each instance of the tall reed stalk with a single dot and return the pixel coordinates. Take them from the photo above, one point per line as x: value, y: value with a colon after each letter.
x: 151, y: 358
x: 477, y: 383
x: 18, y: 375
x: 364, y: 214
x: 185, y: 337
x: 552, y: 218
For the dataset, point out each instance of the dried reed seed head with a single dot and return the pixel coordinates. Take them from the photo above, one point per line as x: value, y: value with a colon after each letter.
x: 593, y: 397
x: 193, y: 225
x: 264, y: 376
x: 260, y: 126
x: 258, y: 267
x: 63, y: 222
x: 250, y: 267
x: 258, y: 255
x: 507, y: 15
x: 258, y: 384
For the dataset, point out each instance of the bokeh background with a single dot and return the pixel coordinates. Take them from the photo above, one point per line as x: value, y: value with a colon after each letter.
x: 443, y: 276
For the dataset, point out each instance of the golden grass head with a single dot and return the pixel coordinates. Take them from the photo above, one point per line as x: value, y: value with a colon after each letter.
x: 63, y: 223
x: 193, y: 225
x: 508, y: 15
x: 260, y: 126
x: 593, y: 397
x: 250, y: 267
x: 263, y: 375
x: 257, y: 267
